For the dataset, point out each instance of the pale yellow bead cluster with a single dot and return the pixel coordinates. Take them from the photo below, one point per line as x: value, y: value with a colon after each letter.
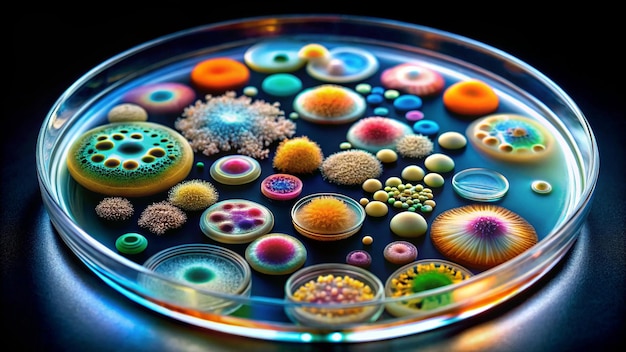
x: 331, y: 289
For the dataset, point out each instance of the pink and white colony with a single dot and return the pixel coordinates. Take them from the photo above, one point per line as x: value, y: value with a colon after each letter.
x: 227, y: 122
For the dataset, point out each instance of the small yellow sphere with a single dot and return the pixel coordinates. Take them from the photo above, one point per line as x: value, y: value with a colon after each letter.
x: 372, y: 185
x: 413, y: 173
x: 387, y: 156
x: 381, y: 195
x: 452, y: 140
x: 408, y: 224
x: 393, y: 181
x: 439, y: 163
x: 434, y: 180
x: 364, y: 201
x: 376, y: 209
x: 367, y: 240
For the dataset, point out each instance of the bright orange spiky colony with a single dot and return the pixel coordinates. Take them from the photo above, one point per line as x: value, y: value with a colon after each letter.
x: 298, y: 155
x: 326, y: 215
x: 329, y: 100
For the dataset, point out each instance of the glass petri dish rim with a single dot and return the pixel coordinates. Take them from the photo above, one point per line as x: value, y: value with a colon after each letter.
x: 494, y: 284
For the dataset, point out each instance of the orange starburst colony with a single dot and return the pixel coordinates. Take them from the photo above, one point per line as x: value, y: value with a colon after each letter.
x: 298, y: 156
x: 326, y: 214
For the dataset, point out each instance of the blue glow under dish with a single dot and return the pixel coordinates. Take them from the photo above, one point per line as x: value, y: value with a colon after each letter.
x: 480, y: 184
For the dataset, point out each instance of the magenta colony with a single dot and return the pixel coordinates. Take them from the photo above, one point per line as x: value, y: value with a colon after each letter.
x: 434, y: 184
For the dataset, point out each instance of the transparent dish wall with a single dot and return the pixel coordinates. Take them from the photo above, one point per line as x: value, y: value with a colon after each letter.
x: 263, y: 316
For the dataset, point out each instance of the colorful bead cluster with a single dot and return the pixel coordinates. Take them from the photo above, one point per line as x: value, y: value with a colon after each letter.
x: 331, y: 289
x: 412, y: 198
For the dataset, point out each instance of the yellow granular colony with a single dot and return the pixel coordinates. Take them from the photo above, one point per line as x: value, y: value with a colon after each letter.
x: 326, y: 214
x: 328, y: 100
x: 193, y: 195
x: 329, y: 289
x: 298, y: 155
x: 351, y: 167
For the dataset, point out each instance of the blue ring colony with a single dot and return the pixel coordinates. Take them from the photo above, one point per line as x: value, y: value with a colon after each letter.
x: 130, y: 159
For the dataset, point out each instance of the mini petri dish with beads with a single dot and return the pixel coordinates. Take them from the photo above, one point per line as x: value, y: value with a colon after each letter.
x: 354, y: 295
x: 327, y: 216
x: 216, y: 274
x: 414, y: 288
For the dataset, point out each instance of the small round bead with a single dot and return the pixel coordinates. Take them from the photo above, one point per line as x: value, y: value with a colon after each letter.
x: 439, y: 163
x: 393, y: 181
x: 452, y: 140
x: 413, y: 173
x: 381, y: 195
x: 372, y: 185
x: 434, y: 180
x: 376, y: 209
x: 367, y: 240
x: 387, y: 155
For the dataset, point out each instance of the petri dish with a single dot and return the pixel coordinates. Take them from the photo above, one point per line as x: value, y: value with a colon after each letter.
x: 203, y: 266
x: 532, y: 111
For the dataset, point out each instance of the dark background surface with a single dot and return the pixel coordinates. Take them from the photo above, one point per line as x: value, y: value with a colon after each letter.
x: 52, y: 301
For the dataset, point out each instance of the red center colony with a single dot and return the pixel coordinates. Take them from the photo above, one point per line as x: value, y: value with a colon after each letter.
x: 275, y: 251
x: 377, y: 130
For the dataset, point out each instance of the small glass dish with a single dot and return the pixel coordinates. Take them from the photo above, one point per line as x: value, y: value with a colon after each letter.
x: 418, y: 284
x: 327, y: 216
x: 332, y: 295
x: 216, y: 273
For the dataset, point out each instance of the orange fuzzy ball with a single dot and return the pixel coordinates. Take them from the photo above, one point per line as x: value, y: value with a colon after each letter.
x: 329, y: 101
x: 298, y: 156
x: 326, y: 215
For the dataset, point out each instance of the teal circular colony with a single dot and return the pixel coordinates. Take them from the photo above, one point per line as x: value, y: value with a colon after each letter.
x: 130, y: 159
x: 510, y: 137
x: 206, y: 267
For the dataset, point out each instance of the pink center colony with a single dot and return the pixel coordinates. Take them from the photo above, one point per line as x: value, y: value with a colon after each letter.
x: 238, y: 219
x: 377, y: 130
x: 275, y: 251
x: 486, y: 227
x: 235, y: 166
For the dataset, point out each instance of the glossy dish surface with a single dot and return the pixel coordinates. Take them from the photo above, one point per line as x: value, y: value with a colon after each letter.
x: 364, y: 126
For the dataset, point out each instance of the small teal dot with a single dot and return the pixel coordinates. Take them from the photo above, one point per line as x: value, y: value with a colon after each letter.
x: 381, y: 111
x: 281, y: 84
